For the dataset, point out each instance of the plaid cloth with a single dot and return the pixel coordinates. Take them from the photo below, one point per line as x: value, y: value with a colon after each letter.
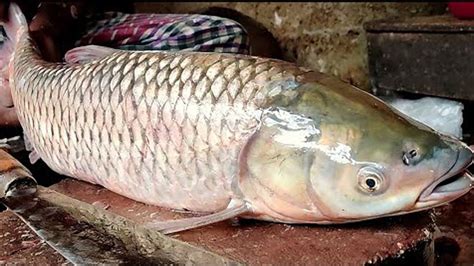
x: 166, y: 32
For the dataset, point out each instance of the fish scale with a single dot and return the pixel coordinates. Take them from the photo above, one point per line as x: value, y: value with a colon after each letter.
x: 234, y: 135
x: 161, y: 128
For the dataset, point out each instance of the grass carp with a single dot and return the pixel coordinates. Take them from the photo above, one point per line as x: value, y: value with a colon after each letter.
x: 228, y: 135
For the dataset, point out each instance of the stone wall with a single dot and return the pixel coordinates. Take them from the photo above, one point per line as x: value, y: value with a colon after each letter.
x: 327, y: 37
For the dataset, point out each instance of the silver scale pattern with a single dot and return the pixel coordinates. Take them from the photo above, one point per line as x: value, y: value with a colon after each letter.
x: 161, y: 128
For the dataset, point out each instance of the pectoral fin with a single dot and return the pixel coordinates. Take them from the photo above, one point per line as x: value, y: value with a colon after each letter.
x: 234, y: 209
x: 33, y: 156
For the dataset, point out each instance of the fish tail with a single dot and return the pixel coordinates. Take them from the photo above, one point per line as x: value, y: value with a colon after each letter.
x: 15, y: 26
x: 16, y: 23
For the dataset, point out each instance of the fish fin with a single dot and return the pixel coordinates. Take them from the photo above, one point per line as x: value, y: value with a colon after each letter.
x: 14, y: 26
x: 16, y: 23
x: 83, y: 54
x: 33, y: 156
x: 167, y: 227
x: 28, y: 145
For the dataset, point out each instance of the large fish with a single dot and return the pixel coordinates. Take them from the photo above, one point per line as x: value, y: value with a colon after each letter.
x: 228, y: 135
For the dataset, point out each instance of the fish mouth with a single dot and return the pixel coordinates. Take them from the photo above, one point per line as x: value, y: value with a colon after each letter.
x: 453, y: 184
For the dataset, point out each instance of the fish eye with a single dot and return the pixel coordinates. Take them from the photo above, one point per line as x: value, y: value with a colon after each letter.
x: 410, y: 157
x: 370, y: 179
x: 371, y: 182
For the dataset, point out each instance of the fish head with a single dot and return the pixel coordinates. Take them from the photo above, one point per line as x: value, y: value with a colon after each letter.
x: 327, y: 152
x: 366, y: 175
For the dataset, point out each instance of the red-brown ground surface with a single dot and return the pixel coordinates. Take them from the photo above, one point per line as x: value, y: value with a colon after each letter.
x: 264, y: 243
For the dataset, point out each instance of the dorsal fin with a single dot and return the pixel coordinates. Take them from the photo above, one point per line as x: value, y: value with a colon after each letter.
x: 83, y: 54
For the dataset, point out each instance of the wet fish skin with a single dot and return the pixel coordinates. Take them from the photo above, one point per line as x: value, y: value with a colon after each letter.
x: 232, y: 135
x: 160, y: 128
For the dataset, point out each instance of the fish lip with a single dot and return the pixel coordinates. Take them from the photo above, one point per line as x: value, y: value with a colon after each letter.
x: 459, y: 168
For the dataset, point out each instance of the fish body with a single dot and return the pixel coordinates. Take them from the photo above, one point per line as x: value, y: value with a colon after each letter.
x: 162, y: 128
x: 205, y: 131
